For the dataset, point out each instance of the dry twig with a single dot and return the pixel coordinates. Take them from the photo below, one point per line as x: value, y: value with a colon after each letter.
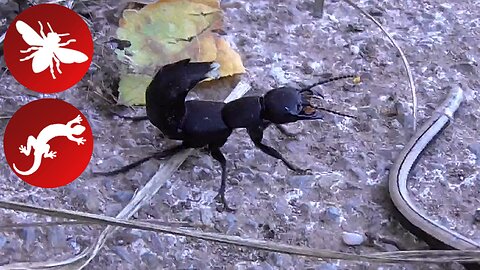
x: 423, y: 256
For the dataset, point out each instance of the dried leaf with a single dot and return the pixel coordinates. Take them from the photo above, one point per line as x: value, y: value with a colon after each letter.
x: 130, y: 87
x: 230, y: 61
x: 168, y: 31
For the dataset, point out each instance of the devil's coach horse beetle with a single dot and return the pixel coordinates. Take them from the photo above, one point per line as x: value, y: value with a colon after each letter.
x: 199, y: 123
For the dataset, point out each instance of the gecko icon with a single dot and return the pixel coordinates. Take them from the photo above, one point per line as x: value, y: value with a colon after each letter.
x: 52, y: 150
x: 41, y: 146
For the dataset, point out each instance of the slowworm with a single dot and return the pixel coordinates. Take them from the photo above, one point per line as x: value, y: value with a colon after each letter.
x: 416, y: 220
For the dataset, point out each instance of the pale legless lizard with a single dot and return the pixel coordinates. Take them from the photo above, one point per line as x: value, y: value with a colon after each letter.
x: 41, y: 146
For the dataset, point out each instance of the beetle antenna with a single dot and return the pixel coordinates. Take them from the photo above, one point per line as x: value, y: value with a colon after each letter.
x: 335, y: 112
x: 328, y: 80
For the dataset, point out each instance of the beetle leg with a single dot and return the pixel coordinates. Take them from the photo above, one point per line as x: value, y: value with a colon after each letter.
x: 309, y: 93
x: 316, y: 97
x: 158, y: 155
x: 256, y: 134
x: 218, y: 155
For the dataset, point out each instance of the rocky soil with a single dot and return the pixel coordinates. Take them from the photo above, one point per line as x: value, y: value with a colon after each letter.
x: 281, y: 43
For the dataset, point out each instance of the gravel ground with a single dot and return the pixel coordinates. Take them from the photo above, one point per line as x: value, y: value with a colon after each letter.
x: 280, y: 43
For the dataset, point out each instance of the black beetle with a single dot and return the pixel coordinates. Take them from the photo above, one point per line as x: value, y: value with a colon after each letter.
x: 200, y: 123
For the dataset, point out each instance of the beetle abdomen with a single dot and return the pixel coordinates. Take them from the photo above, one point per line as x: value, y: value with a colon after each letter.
x: 203, y: 123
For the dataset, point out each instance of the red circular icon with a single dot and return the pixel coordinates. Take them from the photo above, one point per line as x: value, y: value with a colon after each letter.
x: 48, y: 48
x: 48, y: 143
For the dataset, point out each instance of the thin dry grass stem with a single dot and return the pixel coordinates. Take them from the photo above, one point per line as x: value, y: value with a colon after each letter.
x: 402, y: 55
x: 67, y: 3
x: 12, y: 227
x: 318, y: 8
x: 417, y: 256
x: 98, y: 91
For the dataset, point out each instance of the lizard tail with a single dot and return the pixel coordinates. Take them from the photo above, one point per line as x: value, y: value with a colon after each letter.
x: 29, y: 172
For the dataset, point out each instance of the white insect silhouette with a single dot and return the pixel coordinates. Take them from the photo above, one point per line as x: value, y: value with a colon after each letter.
x: 48, y: 48
x: 41, y: 146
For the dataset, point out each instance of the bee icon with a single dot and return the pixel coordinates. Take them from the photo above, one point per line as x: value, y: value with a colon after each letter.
x: 47, y: 49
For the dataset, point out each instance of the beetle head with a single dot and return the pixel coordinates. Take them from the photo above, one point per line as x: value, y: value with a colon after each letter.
x: 286, y: 105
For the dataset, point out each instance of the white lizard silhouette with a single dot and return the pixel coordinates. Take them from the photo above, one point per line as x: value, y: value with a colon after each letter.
x: 41, y: 146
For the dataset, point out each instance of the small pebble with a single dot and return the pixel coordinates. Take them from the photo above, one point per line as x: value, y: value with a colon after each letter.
x: 353, y: 239
x: 333, y: 214
x: 92, y: 203
x: 475, y: 149
x: 476, y: 216
x: 354, y: 49
x: 404, y: 116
